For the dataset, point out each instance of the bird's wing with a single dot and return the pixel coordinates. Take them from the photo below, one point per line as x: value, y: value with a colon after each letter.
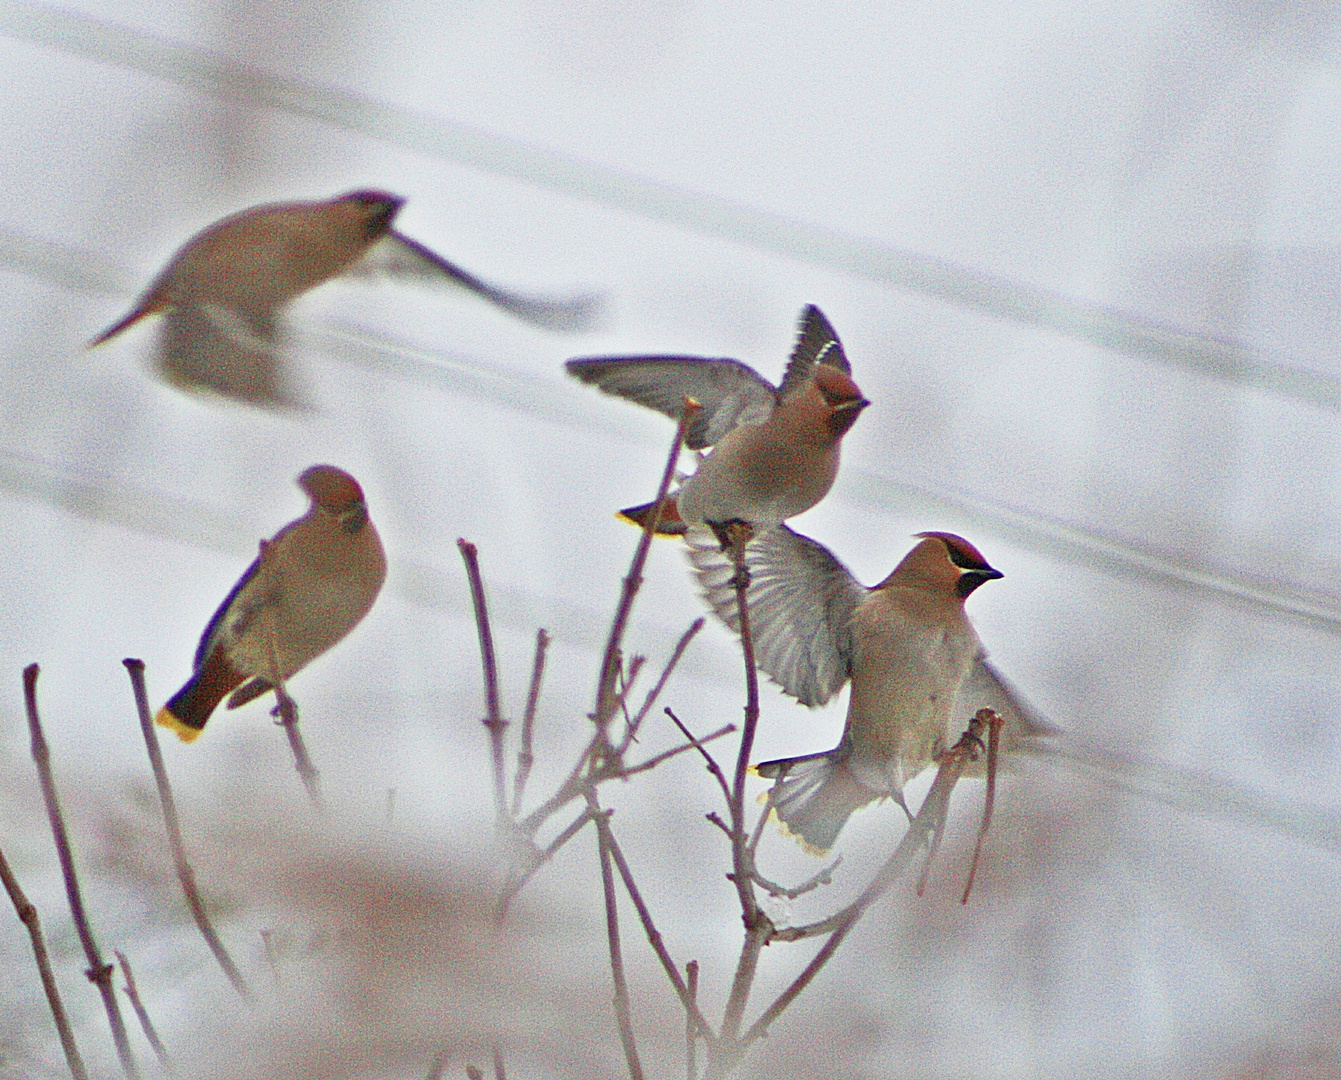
x: 986, y: 689
x: 395, y: 254
x: 801, y: 601
x: 208, y: 346
x: 816, y: 343
x: 216, y: 624
x: 731, y: 393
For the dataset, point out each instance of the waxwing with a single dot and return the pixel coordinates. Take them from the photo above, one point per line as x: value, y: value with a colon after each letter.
x: 312, y: 583
x: 775, y: 449
x: 223, y: 292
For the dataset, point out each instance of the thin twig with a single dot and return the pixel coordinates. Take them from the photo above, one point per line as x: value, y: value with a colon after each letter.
x: 654, y: 938
x: 185, y: 874
x: 655, y: 692
x: 28, y: 916
x: 824, y: 877
x: 499, y: 1074
x: 525, y: 756
x: 605, y: 687
x: 494, y: 722
x: 674, y: 751
x: 994, y: 724
x: 623, y: 1011
x: 713, y: 767
x: 439, y: 1065
x: 690, y: 1028
x: 509, y: 894
x: 930, y: 817
x: 146, y: 1024
x: 99, y: 973
x: 287, y: 711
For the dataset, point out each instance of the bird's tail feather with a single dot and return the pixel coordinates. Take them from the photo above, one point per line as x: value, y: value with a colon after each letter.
x: 669, y: 524
x: 813, y: 796
x: 190, y: 708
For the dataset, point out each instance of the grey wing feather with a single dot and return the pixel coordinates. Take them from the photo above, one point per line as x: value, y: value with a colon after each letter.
x: 801, y: 603
x: 730, y: 392
x: 986, y: 689
x: 399, y: 256
x: 816, y: 343
x: 207, y: 346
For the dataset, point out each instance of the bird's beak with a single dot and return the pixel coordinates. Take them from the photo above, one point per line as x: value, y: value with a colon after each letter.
x: 971, y: 579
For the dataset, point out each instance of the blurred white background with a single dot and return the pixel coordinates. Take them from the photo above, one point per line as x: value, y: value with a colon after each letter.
x: 1086, y: 263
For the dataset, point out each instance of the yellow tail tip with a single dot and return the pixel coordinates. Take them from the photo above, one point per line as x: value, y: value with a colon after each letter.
x: 184, y: 731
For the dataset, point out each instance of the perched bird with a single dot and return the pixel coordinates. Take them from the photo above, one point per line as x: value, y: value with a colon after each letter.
x: 916, y: 664
x: 312, y: 583
x: 775, y: 449
x: 222, y: 293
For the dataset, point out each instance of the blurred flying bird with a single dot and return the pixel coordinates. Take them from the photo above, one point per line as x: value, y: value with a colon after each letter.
x: 312, y: 583
x: 222, y: 294
x: 775, y: 449
x: 917, y: 667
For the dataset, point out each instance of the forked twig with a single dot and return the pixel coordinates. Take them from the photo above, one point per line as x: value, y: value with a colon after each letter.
x: 99, y: 973
x: 623, y: 1010
x: 185, y: 874
x: 494, y: 720
x: 525, y: 756
x: 509, y: 893
x: 655, y: 692
x: 28, y: 916
x: 146, y: 1024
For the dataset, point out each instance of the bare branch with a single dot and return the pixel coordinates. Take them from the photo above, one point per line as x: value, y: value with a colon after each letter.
x: 716, y: 819
x: 713, y: 767
x: 495, y: 722
x: 674, y: 751
x: 695, y: 1017
x: 172, y: 823
x: 287, y: 711
x: 525, y: 757
x: 623, y: 1012
x: 758, y: 927
x: 605, y: 687
x: 930, y: 818
x: 499, y: 1074
x: 28, y: 916
x: 99, y: 973
x: 824, y: 877
x: 655, y: 692
x: 435, y: 1070
x: 146, y: 1025
x: 509, y: 894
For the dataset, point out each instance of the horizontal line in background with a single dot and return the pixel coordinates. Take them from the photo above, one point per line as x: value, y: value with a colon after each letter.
x: 833, y: 249
x: 198, y: 525
x: 551, y: 400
